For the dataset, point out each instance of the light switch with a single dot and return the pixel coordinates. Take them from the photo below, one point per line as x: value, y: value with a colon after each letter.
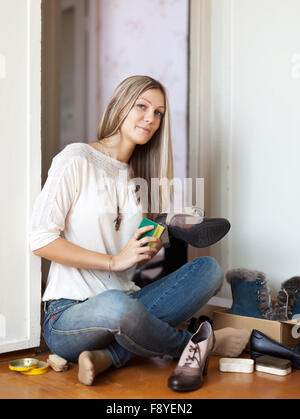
x: 2, y: 66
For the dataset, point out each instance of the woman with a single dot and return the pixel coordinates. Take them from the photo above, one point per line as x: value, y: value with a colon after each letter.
x: 86, y: 223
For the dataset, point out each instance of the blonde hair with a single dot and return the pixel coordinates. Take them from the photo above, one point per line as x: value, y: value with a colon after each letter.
x: 154, y: 159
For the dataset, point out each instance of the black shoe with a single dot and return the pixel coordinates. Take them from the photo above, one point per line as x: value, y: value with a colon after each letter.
x: 209, y: 232
x: 260, y: 344
x: 193, y: 229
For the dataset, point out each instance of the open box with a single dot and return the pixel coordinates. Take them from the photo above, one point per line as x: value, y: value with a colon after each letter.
x: 287, y: 333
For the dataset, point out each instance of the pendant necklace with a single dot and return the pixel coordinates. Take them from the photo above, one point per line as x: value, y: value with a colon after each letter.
x: 118, y: 220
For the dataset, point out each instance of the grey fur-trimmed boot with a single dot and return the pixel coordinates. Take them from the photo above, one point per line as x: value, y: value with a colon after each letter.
x: 250, y: 292
x: 288, y: 300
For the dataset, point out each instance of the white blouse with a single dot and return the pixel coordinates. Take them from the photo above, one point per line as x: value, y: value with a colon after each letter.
x: 78, y: 203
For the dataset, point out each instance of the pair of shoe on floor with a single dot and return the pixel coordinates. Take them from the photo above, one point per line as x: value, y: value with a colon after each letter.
x: 251, y: 296
x: 194, y: 360
x: 192, y: 227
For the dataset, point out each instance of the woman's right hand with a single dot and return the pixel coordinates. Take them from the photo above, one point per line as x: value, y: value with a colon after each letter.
x: 135, y: 251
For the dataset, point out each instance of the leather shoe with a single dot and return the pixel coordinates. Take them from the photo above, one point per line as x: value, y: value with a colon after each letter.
x: 204, y: 234
x: 194, y: 360
x: 191, y: 227
x: 261, y: 344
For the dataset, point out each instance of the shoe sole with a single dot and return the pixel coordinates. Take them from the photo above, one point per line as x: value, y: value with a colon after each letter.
x: 204, y: 234
x: 184, y: 389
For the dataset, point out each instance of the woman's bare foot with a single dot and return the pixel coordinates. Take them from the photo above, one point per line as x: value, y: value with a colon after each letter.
x: 91, y: 364
x: 230, y: 342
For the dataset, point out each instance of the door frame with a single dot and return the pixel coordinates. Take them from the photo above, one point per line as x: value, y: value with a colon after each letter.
x: 30, y: 115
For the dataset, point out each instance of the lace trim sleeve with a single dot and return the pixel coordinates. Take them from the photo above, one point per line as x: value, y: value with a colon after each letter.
x: 54, y: 202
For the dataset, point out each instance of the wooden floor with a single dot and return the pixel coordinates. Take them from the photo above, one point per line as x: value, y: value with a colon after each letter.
x: 143, y: 379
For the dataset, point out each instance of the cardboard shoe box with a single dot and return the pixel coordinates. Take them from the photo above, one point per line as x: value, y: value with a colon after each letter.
x: 287, y: 333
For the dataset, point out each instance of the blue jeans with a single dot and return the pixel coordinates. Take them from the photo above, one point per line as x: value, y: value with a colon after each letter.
x: 143, y: 323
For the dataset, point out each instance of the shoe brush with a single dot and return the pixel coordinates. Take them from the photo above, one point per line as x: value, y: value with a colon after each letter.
x: 57, y: 363
x: 273, y: 365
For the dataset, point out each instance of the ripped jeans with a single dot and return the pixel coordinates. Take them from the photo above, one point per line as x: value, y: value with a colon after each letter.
x: 143, y: 323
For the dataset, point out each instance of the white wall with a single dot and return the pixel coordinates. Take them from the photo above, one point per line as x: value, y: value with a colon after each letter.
x: 255, y: 128
x: 149, y: 38
x: 20, y: 113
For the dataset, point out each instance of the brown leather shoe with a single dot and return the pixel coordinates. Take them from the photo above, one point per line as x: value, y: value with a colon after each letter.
x: 193, y: 363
